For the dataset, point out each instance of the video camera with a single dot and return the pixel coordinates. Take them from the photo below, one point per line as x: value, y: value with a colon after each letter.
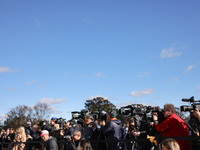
x: 79, y: 115
x: 60, y: 121
x: 44, y: 125
x: 195, y: 104
x: 134, y: 109
x: 98, y: 115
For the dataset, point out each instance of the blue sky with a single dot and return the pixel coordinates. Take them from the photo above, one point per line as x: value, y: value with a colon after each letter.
x: 65, y: 52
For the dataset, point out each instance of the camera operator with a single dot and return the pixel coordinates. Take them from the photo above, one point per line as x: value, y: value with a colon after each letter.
x: 92, y: 131
x: 56, y: 134
x: 34, y: 136
x: 70, y: 127
x: 112, y: 130
x: 196, y: 113
x: 194, y: 127
x: 172, y: 126
x: 75, y: 140
x: 51, y: 142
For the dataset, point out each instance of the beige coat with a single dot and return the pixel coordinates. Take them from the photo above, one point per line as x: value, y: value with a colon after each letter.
x: 20, y: 146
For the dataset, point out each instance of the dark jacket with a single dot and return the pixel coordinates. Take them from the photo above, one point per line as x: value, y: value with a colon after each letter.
x: 35, y: 137
x: 51, y: 144
x: 68, y: 132
x: 92, y: 135
x: 112, y: 131
x: 73, y: 145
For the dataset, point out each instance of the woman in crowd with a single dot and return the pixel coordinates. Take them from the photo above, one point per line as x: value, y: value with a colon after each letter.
x: 20, y: 136
x: 1, y: 136
x: 6, y: 139
x: 129, y: 135
x: 84, y: 145
x: 170, y: 144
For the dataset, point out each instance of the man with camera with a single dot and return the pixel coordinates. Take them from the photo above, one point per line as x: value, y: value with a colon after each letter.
x: 68, y: 131
x: 194, y: 127
x: 34, y: 136
x: 173, y: 126
x: 74, y: 140
x: 92, y: 131
x: 112, y: 130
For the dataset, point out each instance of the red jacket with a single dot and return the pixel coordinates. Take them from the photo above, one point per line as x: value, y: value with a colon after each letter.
x: 174, y: 126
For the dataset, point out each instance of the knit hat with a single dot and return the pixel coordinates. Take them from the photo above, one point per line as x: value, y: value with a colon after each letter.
x: 112, y: 113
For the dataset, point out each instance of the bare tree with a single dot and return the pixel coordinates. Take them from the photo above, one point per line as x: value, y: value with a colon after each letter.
x: 19, y: 115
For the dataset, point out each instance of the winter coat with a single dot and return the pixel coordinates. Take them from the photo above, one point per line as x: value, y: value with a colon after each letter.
x: 112, y: 131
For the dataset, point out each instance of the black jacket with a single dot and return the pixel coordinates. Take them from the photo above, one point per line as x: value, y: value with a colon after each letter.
x: 112, y: 131
x: 51, y: 144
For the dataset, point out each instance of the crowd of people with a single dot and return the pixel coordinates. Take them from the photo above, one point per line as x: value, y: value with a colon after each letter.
x: 105, y: 134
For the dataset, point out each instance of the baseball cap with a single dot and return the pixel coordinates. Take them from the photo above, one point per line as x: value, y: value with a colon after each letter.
x: 112, y: 113
x: 44, y: 132
x: 28, y: 123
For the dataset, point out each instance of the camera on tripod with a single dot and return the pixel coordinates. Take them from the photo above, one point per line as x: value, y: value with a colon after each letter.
x: 194, y: 104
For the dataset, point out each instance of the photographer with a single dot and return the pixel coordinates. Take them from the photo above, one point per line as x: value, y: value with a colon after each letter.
x: 194, y: 127
x: 196, y: 113
x: 172, y: 126
x: 111, y: 129
x: 34, y: 136
x: 75, y: 140
x: 92, y: 131
x: 68, y: 132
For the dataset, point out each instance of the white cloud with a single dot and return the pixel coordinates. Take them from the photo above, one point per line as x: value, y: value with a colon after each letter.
x: 12, y: 89
x: 141, y: 93
x: 169, y: 53
x: 95, y: 96
x: 30, y: 82
x: 54, y: 111
x: 50, y: 101
x: 100, y: 74
x: 39, y: 87
x: 4, y: 69
x: 188, y: 69
x: 172, y: 80
x: 142, y: 74
x: 38, y: 23
x: 198, y: 88
x: 7, y: 69
x: 3, y: 117
x: 133, y: 102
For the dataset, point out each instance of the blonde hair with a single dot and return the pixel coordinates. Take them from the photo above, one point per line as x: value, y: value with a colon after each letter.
x: 171, y: 144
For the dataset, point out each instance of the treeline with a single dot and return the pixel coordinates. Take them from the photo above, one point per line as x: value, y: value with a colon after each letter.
x: 21, y: 114
x: 41, y: 111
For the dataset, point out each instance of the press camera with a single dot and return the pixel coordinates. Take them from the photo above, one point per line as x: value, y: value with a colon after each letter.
x: 194, y: 104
